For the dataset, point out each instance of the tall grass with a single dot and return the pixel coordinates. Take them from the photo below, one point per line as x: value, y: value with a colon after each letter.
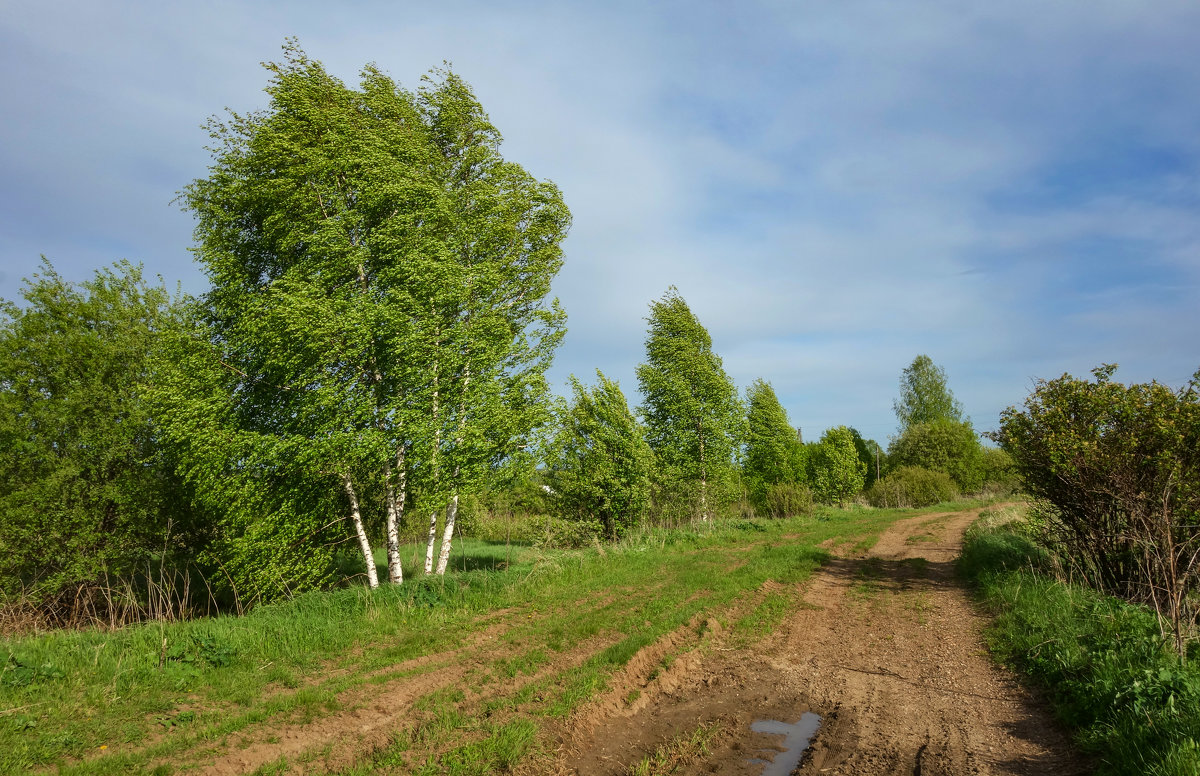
x: 1103, y: 662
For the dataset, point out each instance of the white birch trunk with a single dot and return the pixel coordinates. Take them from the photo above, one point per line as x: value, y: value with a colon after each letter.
x: 395, y: 493
x: 703, y: 484
x: 452, y: 509
x: 437, y: 444
x: 448, y: 534
x: 363, y: 543
x: 432, y: 541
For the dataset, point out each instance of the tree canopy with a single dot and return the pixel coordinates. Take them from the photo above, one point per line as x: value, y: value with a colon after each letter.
x: 694, y: 419
x: 85, y: 490
x: 599, y: 465
x: 924, y: 395
x: 838, y: 472
x: 941, y: 445
x: 378, y: 322
x: 774, y: 454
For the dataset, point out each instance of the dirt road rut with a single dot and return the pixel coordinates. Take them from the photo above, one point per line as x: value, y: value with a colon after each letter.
x: 887, y: 647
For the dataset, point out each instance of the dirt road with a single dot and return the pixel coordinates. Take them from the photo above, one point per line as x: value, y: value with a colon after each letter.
x: 886, y: 647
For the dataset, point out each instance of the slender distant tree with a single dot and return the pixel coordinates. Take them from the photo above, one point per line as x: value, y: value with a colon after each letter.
x: 924, y: 395
x: 694, y: 418
x: 87, y: 493
x: 838, y: 472
x: 599, y: 464
x: 774, y: 454
x: 377, y: 326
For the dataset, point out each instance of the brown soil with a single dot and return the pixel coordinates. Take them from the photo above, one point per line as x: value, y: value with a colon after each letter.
x: 886, y: 647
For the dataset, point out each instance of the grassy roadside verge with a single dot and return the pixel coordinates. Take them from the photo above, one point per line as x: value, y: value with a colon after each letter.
x: 1102, y: 662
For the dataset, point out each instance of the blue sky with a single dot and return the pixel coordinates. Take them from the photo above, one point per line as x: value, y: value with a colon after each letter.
x: 835, y: 187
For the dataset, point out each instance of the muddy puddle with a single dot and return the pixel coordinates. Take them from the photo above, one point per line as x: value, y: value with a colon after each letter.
x: 796, y: 738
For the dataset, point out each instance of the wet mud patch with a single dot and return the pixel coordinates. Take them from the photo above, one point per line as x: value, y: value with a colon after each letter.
x: 725, y: 693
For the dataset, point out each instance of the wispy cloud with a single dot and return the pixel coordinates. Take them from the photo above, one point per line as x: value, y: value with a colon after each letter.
x: 1011, y: 188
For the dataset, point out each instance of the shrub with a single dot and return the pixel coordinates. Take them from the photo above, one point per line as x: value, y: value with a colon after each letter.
x: 1117, y: 469
x: 837, y: 472
x: 912, y: 486
x: 787, y: 499
x: 999, y: 473
x: 942, y: 445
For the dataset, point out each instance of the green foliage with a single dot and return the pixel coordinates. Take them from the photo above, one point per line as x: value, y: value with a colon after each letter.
x: 694, y: 419
x: 1118, y: 470
x: 924, y: 395
x: 88, y: 497
x: 377, y: 322
x: 774, y: 454
x: 941, y: 445
x: 999, y: 472
x: 787, y: 499
x: 599, y: 465
x: 912, y: 486
x: 1103, y: 662
x: 871, y: 454
x: 838, y: 472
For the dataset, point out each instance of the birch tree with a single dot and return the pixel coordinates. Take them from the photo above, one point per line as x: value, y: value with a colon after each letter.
x: 838, y: 472
x: 496, y: 331
x: 694, y: 419
x: 774, y: 454
x: 379, y: 277
x: 599, y: 464
x: 924, y: 395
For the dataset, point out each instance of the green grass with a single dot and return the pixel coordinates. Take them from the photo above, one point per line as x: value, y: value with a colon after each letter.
x: 1103, y: 662
x: 64, y: 695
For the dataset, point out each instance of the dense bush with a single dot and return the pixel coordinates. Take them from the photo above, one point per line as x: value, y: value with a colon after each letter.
x: 837, y: 473
x: 1118, y: 471
x: 774, y: 454
x: 787, y: 499
x: 599, y: 464
x: 912, y: 486
x: 942, y: 445
x: 89, y: 500
x: 1102, y: 661
x: 999, y: 473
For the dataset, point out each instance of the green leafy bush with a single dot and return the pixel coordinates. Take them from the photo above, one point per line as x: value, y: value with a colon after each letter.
x: 942, y: 445
x: 999, y: 473
x: 837, y: 471
x: 1117, y: 471
x: 912, y: 486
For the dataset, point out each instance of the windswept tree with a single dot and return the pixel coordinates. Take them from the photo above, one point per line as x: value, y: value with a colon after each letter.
x: 694, y: 418
x: 377, y: 325
x: 599, y: 463
x: 924, y: 395
x: 774, y: 454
